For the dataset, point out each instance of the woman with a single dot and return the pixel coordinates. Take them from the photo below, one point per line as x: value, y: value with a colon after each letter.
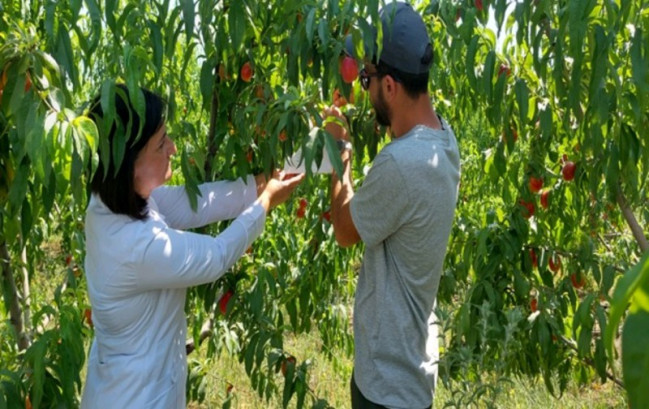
x: 139, y: 262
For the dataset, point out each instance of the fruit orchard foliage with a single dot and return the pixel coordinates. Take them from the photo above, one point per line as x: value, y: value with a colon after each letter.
x: 570, y: 78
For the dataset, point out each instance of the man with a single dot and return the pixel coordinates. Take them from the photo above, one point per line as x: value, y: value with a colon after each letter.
x: 403, y: 212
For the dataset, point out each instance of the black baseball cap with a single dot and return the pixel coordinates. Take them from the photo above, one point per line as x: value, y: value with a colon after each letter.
x: 406, y: 43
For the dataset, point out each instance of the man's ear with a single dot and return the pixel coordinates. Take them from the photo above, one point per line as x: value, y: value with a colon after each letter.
x: 389, y: 87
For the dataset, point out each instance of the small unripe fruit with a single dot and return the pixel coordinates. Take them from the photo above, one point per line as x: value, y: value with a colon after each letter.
x: 527, y: 208
x: 28, y: 83
x: 577, y: 280
x: 223, y: 302
x: 87, y: 313
x: 338, y: 99
x: 222, y: 73
x: 568, y: 171
x: 545, y: 197
x: 504, y: 70
x: 514, y: 134
x: 246, y: 72
x: 285, y: 364
x: 533, y: 258
x: 535, y: 184
x: 259, y: 92
x: 554, y: 262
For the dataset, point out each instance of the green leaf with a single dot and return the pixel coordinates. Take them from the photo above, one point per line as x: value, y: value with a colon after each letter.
x: 109, y: 12
x: 599, y: 65
x: 639, y: 67
x: 189, y: 16
x: 191, y: 184
x: 65, y: 55
x: 488, y: 73
x: 310, y: 25
x: 107, y: 100
x: 470, y: 61
x: 635, y: 355
x: 291, y: 308
x: 237, y: 23
x: 206, y: 82
x: 323, y: 33
x: 75, y: 7
x: 18, y: 188
x: 249, y: 354
x: 26, y: 218
x: 34, y: 133
x: 289, y: 385
x: 35, y: 355
x: 600, y: 350
x: 88, y: 130
x: 49, y: 193
x: 634, y: 280
x: 95, y: 18
x: 156, y: 39
x: 522, y: 99
x: 136, y: 97
x: 334, y: 154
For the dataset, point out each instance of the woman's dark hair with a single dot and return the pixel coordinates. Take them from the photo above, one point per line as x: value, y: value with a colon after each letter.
x: 115, y: 186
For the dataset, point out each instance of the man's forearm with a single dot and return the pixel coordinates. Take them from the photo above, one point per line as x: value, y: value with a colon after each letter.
x: 342, y: 191
x: 341, y: 187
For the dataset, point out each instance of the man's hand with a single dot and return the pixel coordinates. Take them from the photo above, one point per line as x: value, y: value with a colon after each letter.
x: 336, y: 130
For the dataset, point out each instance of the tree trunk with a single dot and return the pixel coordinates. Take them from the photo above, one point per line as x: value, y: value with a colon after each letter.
x: 12, y: 298
x: 632, y: 221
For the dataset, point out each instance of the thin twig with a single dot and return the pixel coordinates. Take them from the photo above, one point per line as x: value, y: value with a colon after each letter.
x: 627, y: 212
x: 589, y: 361
x: 206, y: 331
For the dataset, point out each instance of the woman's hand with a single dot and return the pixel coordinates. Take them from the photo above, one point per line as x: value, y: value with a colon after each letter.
x: 277, y: 189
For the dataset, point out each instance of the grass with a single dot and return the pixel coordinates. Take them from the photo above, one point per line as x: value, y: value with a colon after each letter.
x: 330, y: 381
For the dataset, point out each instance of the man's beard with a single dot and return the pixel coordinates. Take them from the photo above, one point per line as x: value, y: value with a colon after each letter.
x: 382, y: 110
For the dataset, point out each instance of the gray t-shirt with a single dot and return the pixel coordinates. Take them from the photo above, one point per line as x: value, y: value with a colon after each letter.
x: 403, y: 212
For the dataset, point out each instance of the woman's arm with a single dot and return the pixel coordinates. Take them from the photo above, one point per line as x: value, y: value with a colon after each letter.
x: 222, y: 200
x: 177, y: 259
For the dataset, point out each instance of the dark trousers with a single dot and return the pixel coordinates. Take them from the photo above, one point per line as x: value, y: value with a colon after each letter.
x: 360, y: 402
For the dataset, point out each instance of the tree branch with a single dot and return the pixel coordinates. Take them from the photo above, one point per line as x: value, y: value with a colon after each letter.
x: 627, y: 212
x: 571, y: 344
x: 206, y: 331
x: 12, y: 297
